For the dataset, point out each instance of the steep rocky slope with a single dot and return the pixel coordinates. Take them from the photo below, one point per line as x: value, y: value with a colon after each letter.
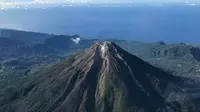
x: 103, y: 78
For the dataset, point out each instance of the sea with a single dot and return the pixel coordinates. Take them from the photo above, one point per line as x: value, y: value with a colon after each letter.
x: 171, y: 24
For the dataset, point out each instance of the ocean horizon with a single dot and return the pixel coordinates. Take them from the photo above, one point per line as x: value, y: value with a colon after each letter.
x: 143, y: 23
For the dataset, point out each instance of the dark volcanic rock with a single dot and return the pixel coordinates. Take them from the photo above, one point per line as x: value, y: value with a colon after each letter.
x: 161, y: 43
x: 103, y: 78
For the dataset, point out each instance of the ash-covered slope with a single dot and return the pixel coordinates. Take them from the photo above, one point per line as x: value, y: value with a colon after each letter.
x: 103, y: 78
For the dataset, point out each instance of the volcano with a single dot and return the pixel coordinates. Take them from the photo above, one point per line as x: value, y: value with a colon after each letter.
x: 104, y: 78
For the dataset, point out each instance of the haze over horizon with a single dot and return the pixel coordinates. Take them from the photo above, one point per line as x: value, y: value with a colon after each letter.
x: 98, y: 1
x: 129, y: 21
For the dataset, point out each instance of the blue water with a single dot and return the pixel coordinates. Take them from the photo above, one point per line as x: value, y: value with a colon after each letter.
x: 144, y: 23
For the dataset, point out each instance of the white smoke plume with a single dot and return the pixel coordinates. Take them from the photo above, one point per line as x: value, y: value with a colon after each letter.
x: 76, y: 40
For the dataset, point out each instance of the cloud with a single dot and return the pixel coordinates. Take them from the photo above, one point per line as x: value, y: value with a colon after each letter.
x: 18, y: 2
x: 76, y: 40
x: 102, y: 1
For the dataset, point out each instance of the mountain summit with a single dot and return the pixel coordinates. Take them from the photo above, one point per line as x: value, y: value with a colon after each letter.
x: 104, y: 78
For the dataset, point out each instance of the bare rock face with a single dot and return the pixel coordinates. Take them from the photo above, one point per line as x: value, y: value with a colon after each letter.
x: 103, y: 78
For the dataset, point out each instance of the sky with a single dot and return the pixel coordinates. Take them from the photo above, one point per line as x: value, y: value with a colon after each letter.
x: 100, y: 1
x: 6, y: 4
